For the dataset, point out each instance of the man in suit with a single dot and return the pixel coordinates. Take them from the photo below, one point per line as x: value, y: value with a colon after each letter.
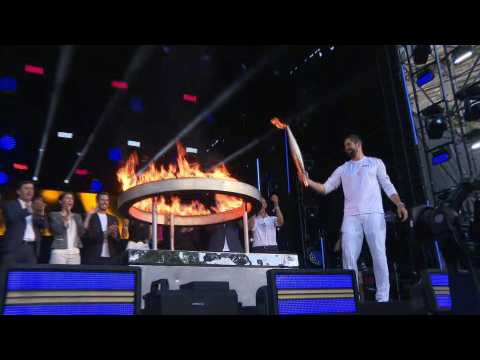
x: 225, y: 237
x: 101, y: 243
x: 24, y: 219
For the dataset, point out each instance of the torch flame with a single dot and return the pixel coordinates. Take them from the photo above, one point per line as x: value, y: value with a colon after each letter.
x: 278, y: 123
x: 127, y: 177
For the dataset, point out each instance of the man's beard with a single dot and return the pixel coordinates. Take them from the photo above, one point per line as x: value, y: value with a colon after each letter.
x: 352, y: 153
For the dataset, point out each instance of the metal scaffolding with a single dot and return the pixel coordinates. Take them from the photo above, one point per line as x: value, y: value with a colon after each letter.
x: 449, y: 79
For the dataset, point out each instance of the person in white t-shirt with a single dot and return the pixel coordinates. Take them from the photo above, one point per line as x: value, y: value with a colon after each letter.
x: 264, y: 227
x: 361, y: 179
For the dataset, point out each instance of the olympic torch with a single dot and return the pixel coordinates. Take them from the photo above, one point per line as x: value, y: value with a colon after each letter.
x: 294, y: 150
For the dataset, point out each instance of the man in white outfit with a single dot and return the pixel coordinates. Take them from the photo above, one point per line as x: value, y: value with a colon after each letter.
x: 361, y: 178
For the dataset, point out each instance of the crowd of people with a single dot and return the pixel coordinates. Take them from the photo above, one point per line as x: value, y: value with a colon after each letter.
x: 98, y: 239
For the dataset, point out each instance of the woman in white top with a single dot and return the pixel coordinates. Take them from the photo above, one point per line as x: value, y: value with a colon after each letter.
x: 67, y: 229
x: 264, y: 228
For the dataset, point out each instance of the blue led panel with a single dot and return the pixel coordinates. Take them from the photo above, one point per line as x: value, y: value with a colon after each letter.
x: 316, y: 306
x: 70, y: 309
x: 310, y: 294
x: 313, y: 281
x: 8, y: 84
x: 425, y: 78
x: 440, y: 158
x: 441, y: 290
x: 69, y: 280
x: 74, y: 292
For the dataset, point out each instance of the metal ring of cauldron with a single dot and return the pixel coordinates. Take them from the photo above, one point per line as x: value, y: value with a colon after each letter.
x: 248, y: 193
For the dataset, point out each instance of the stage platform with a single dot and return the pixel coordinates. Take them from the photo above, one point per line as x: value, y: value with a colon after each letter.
x: 245, y: 273
x: 204, y: 258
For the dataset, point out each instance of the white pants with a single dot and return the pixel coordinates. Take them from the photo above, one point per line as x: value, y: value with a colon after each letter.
x: 65, y: 257
x: 374, y: 227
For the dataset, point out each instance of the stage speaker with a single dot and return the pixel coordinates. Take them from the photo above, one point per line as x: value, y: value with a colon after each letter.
x: 71, y: 290
x: 263, y: 301
x: 195, y: 298
x: 312, y: 292
x: 389, y: 308
x: 432, y: 293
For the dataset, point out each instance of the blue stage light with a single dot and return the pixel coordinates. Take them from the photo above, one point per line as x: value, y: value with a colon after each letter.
x: 425, y: 77
x: 8, y: 84
x: 7, y: 143
x: 96, y: 185
x: 136, y: 104
x: 115, y: 154
x: 439, y: 157
x: 3, y: 178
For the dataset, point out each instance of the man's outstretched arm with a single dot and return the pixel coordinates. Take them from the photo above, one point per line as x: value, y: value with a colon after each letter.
x: 331, y: 184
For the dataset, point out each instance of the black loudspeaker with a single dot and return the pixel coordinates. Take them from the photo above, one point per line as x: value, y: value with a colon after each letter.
x: 195, y: 298
x: 389, y: 308
x: 432, y: 293
x: 263, y: 301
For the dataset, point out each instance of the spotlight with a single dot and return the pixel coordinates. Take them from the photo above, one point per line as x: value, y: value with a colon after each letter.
x: 440, y: 156
x: 461, y: 53
x: 424, y: 77
x: 65, y: 135
x: 133, y: 143
x: 35, y: 178
x: 3, y: 178
x: 190, y: 98
x: 472, y: 109
x: 332, y: 48
x: 473, y: 138
x: 136, y: 104
x: 66, y: 181
x: 8, y: 84
x: 21, y: 167
x: 115, y: 154
x: 82, y: 172
x: 96, y: 185
x: 120, y: 84
x: 7, y: 143
x: 421, y: 53
x: 37, y: 70
x: 436, y: 123
x: 471, y: 97
x: 432, y: 110
x: 436, y: 127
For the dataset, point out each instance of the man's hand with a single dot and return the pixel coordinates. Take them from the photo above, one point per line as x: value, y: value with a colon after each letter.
x: 29, y: 207
x: 92, y: 212
x: 402, y: 212
x: 113, y: 230
x: 38, y: 206
x: 275, y: 200
x: 303, y: 178
x: 319, y: 187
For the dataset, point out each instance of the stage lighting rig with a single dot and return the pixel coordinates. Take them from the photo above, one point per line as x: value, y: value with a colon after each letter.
x: 421, y: 53
x: 461, y: 53
x: 424, y: 77
x: 436, y: 123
